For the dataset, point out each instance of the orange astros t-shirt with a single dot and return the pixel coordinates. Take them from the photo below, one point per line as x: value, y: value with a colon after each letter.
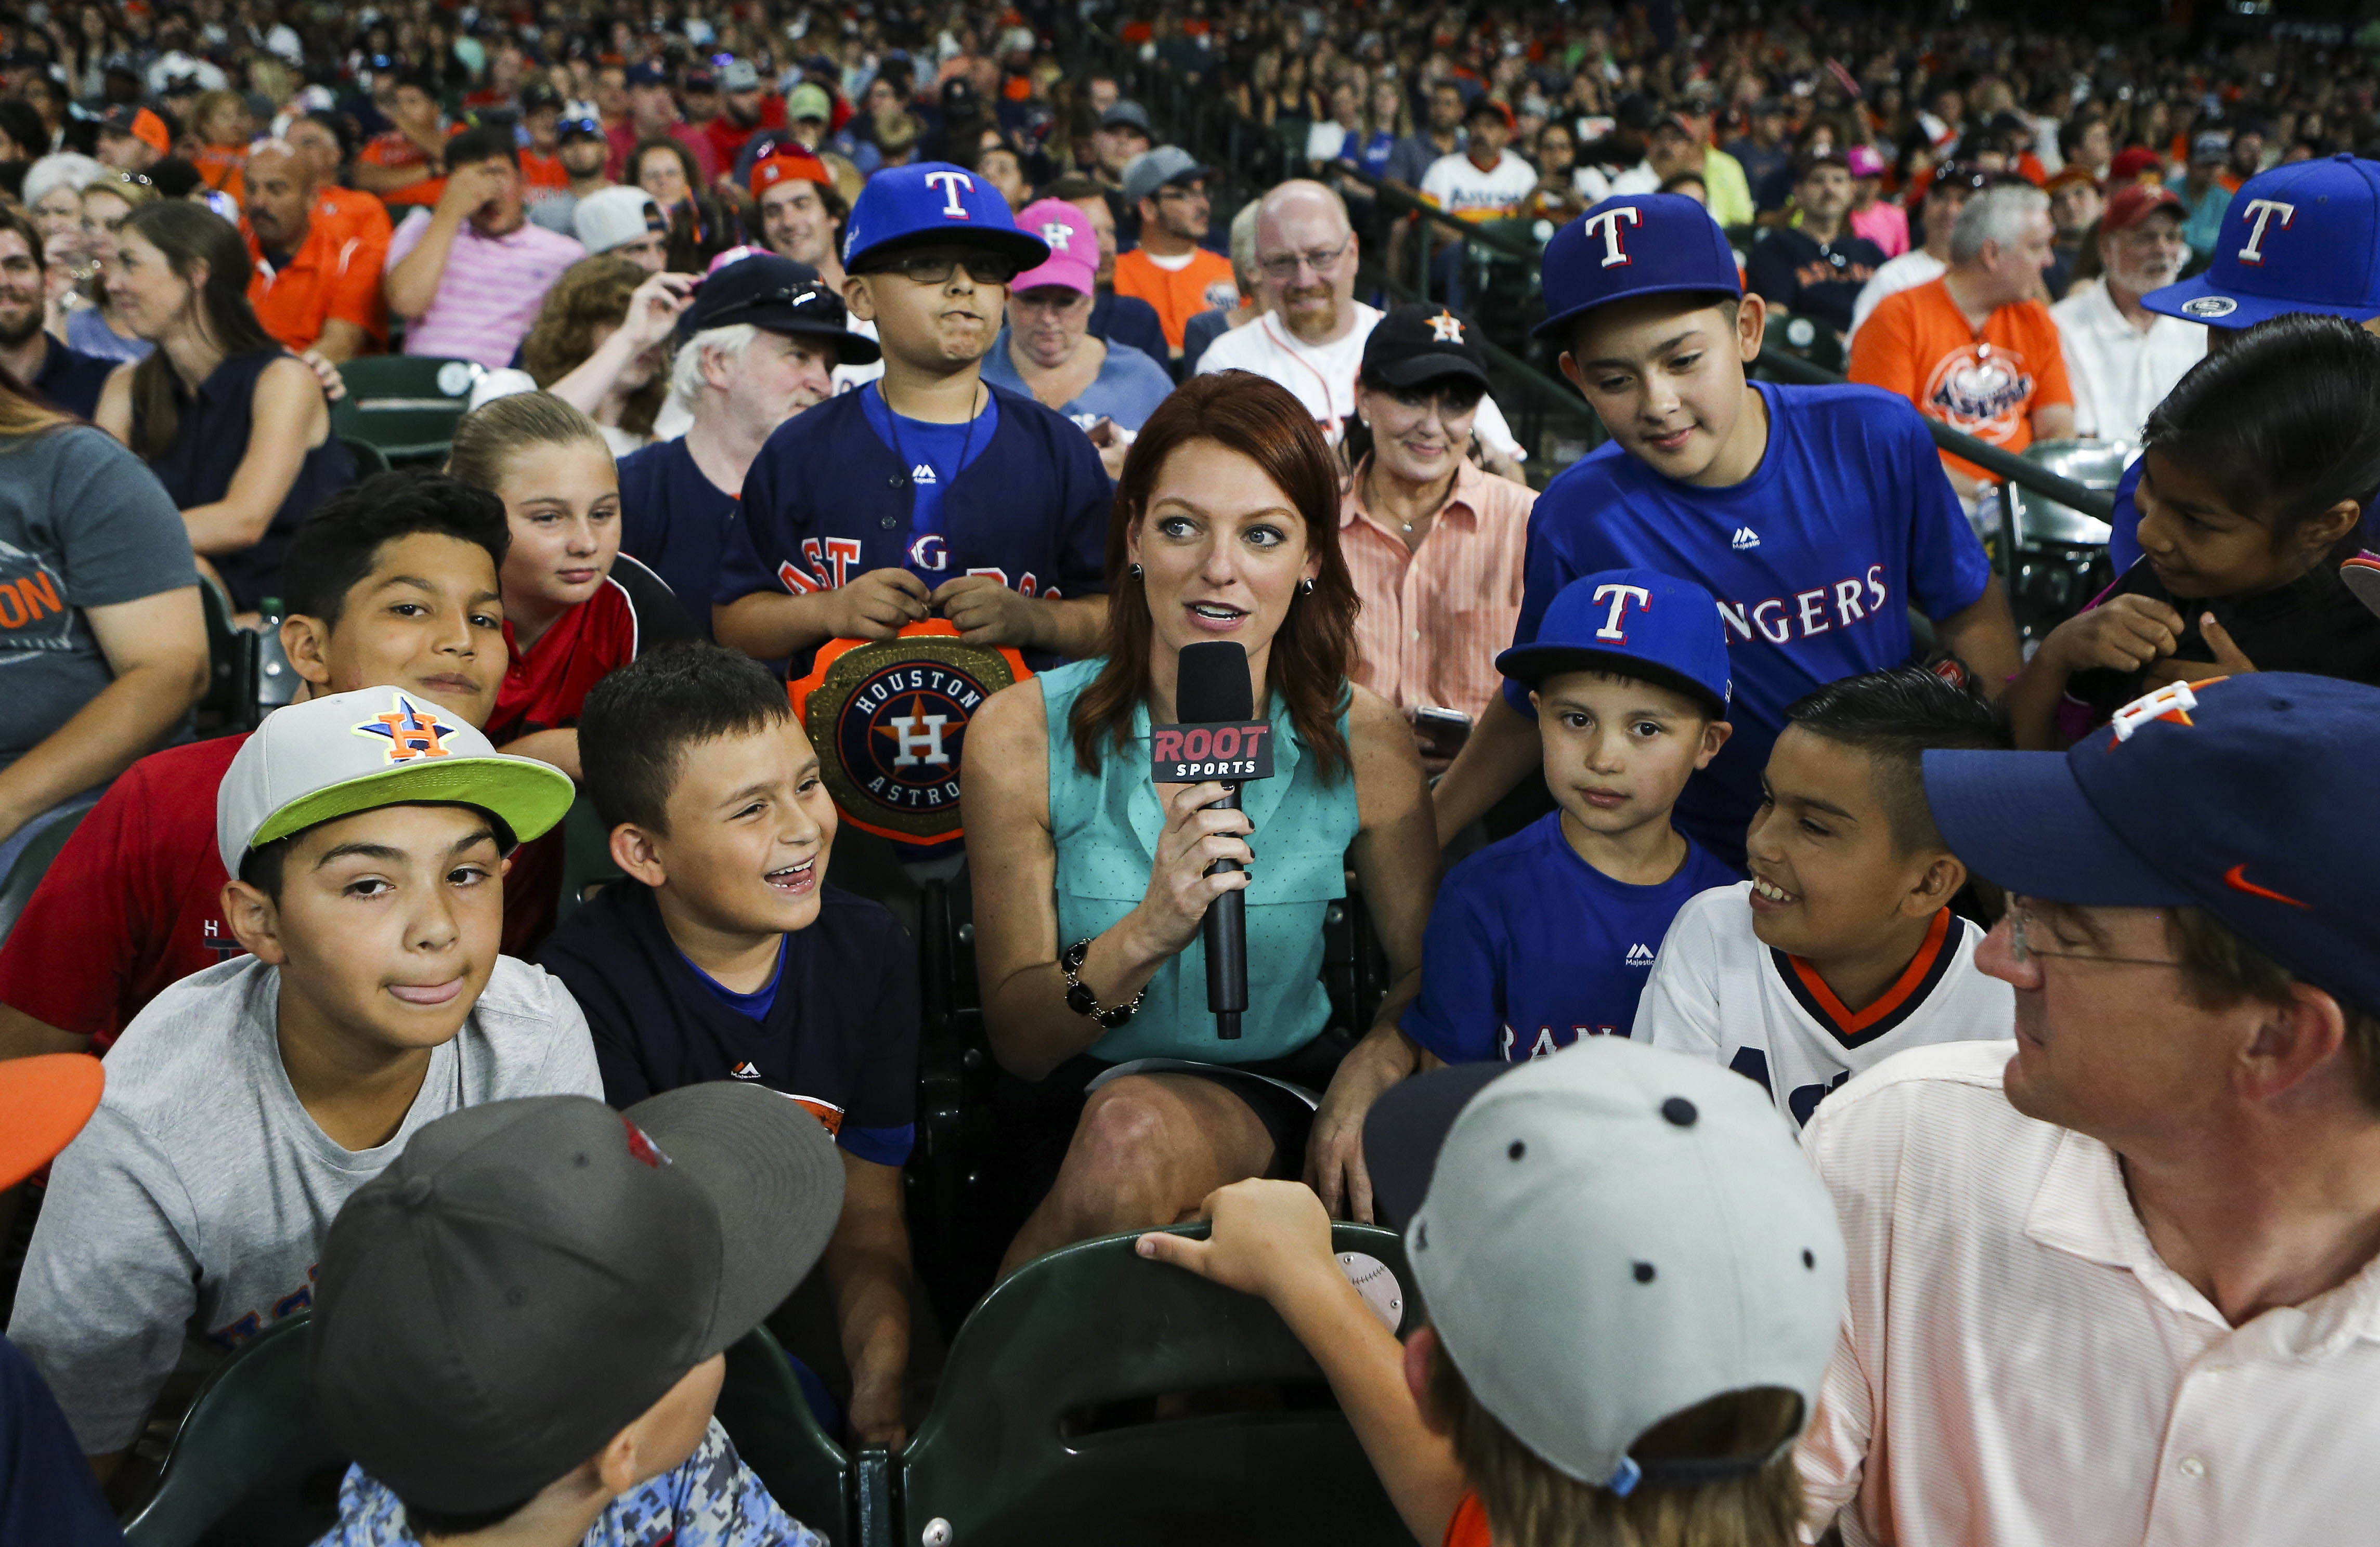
x: 1201, y: 284
x: 1988, y: 385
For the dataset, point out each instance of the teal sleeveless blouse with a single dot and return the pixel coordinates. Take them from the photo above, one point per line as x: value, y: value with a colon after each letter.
x: 1106, y: 826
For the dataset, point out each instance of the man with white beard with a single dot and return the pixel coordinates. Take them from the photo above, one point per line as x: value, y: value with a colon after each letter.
x: 1311, y: 336
x: 2121, y: 358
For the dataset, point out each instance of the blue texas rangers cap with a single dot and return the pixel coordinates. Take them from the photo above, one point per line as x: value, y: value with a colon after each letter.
x: 2300, y: 238
x: 1641, y: 244
x: 929, y: 203
x: 2238, y: 794
x: 1638, y: 623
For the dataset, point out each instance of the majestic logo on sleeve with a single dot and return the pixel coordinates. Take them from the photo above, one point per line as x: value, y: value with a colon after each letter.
x: 412, y: 732
x: 889, y: 717
x: 1607, y: 225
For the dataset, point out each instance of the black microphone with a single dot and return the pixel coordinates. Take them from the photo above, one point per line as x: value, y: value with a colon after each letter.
x: 1218, y: 736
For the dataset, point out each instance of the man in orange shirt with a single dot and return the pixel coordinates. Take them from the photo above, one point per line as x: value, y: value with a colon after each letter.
x: 316, y: 138
x: 1170, y: 269
x: 316, y: 283
x: 1974, y: 349
x: 407, y: 164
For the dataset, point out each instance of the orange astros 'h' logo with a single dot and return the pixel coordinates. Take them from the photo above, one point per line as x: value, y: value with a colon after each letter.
x: 412, y: 732
x: 2171, y: 703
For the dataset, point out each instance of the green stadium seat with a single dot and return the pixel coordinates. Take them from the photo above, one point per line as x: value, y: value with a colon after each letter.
x: 369, y: 459
x: 586, y: 855
x: 404, y: 405
x: 1098, y: 1399
x: 31, y: 862
x: 763, y: 1411
x: 229, y: 703
x: 248, y: 1465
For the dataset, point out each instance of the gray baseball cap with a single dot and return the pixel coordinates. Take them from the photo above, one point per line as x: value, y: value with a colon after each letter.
x: 1125, y: 115
x: 1606, y: 1237
x: 331, y: 757
x: 609, y: 217
x: 1151, y: 170
x: 739, y: 75
x: 530, y: 1277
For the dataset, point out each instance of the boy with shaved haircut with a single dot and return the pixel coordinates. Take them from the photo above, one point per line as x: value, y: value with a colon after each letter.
x: 1818, y: 517
x: 367, y: 832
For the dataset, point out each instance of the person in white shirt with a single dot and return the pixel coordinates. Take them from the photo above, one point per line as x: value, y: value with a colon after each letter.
x: 2121, y: 358
x: 1310, y: 338
x: 1671, y: 146
x: 1842, y: 951
x: 1954, y: 184
x: 2116, y: 1282
x: 1485, y: 180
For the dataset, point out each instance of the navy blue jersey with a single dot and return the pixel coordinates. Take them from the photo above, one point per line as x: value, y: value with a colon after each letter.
x: 827, y: 499
x: 1129, y: 320
x: 1814, y: 559
x: 71, y: 380
x: 674, y: 520
x: 841, y: 1034
x: 1530, y: 948
x: 47, y: 1493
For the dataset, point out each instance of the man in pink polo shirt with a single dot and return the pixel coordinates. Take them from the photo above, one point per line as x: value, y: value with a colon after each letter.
x: 468, y: 276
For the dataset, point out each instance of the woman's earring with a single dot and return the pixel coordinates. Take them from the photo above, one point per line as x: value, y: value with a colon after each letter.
x: 1133, y: 570
x: 1305, y: 587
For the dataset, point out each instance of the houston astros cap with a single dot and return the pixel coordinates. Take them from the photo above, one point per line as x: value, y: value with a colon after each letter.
x: 2226, y: 794
x: 44, y: 1101
x: 141, y: 124
x: 1074, y: 259
x: 788, y: 162
x: 1606, y: 1237
x: 934, y: 202
x: 780, y: 296
x: 1417, y: 342
x: 2304, y: 236
x: 1638, y: 623
x: 331, y: 757
x: 611, y: 217
x: 1643, y: 244
x: 530, y: 1277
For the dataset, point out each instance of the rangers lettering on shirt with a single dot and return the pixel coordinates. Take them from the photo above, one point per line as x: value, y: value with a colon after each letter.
x: 1549, y: 1041
x: 2260, y: 215
x: 1607, y: 225
x: 1781, y: 620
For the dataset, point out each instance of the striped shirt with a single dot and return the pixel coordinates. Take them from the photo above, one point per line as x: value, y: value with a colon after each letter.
x: 2019, y: 1367
x: 490, y: 292
x: 1435, y: 615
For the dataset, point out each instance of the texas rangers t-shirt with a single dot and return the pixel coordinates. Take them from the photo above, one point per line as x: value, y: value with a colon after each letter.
x: 1814, y: 559
x: 1530, y: 948
x: 1719, y: 993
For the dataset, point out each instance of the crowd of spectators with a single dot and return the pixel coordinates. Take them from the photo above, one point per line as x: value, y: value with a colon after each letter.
x: 775, y: 328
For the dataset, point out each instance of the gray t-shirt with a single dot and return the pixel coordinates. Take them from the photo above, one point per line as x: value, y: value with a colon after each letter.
x: 192, y: 1207
x: 83, y: 524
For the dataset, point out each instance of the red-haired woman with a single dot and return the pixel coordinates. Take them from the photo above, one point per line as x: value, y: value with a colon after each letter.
x: 1225, y: 527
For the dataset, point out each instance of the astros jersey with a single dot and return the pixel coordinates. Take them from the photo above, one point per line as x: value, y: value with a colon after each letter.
x: 1530, y: 948
x: 828, y: 499
x: 1720, y: 994
x: 1814, y: 559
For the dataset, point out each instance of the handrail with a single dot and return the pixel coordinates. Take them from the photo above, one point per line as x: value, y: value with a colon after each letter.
x: 1992, y: 459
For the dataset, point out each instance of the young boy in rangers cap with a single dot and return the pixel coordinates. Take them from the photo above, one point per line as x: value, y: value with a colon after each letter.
x: 2304, y: 236
x: 522, y: 1323
x: 724, y: 955
x: 2166, y: 1190
x: 1633, y: 1284
x: 1818, y: 517
x: 1842, y: 951
x: 928, y: 491
x: 367, y: 832
x: 1550, y: 935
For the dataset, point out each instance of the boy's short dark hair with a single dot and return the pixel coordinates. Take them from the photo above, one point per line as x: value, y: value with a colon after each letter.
x: 336, y: 547
x: 482, y: 142
x: 638, y: 722
x: 1896, y: 716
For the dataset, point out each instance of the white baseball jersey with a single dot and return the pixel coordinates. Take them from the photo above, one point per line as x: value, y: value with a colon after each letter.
x: 1718, y: 992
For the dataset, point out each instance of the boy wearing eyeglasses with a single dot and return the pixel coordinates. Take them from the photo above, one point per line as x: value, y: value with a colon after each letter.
x: 928, y: 492
x: 1842, y: 951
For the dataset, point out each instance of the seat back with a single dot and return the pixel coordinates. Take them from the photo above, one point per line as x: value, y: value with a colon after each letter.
x: 2053, y: 557
x: 248, y: 1465
x: 763, y: 1411
x: 1098, y: 1399
x: 403, y: 406
x: 229, y: 703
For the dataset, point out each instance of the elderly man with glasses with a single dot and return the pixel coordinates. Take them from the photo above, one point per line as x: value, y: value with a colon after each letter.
x: 1311, y: 336
x: 2119, y: 1278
